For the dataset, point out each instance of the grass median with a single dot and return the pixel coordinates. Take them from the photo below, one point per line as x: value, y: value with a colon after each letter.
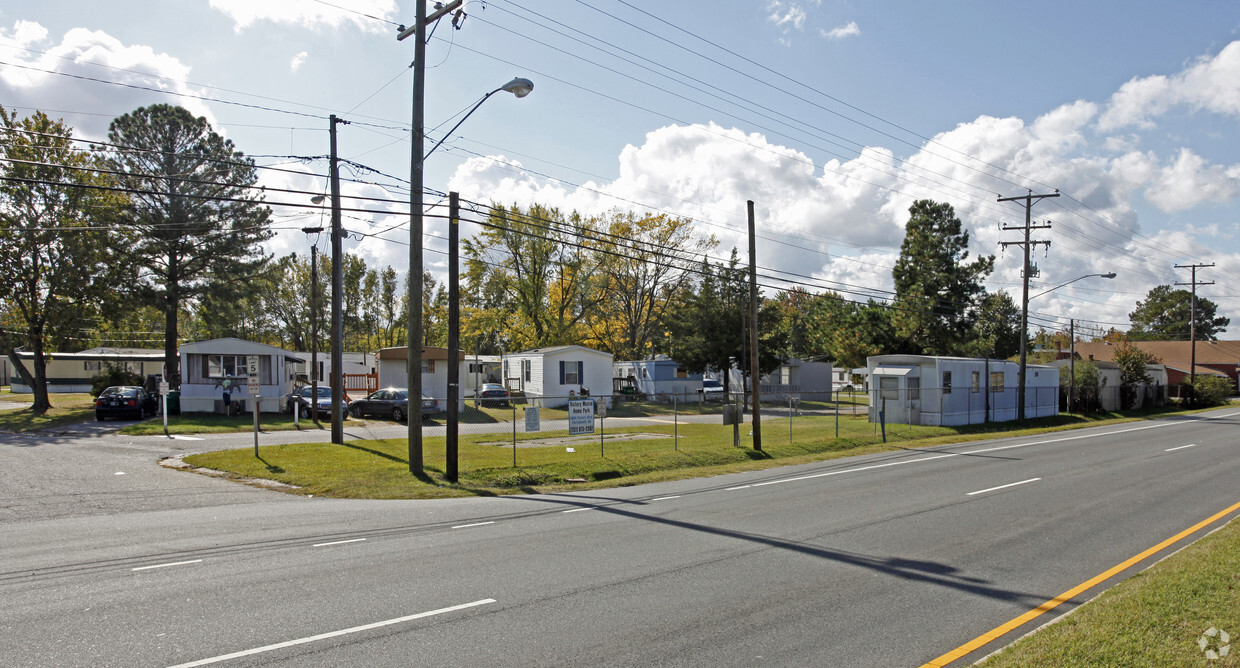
x: 1172, y: 614
x: 507, y: 463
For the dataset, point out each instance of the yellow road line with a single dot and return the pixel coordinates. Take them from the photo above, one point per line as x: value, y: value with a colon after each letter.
x: 1068, y: 595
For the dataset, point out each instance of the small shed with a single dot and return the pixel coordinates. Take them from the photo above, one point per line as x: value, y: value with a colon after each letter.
x: 551, y: 376
x: 660, y: 378
x: 205, y: 365
x: 951, y: 391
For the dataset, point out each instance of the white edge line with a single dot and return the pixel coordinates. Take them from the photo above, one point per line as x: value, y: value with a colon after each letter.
x: 665, y: 498
x: 175, y: 563
x: 475, y: 524
x: 972, y: 452
x: 1011, y: 484
x: 577, y: 510
x: 332, y: 634
x: 1180, y: 447
x: 340, y: 542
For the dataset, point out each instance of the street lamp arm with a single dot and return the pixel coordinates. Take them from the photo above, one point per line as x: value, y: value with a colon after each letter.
x: 1106, y: 275
x: 519, y: 87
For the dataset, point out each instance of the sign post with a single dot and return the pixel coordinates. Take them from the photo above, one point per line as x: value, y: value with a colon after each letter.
x: 255, y: 388
x: 163, y: 398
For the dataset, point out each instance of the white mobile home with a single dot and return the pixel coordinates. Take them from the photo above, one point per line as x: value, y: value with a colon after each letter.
x: 205, y: 365
x: 74, y: 372
x: 550, y: 376
x: 951, y: 391
x: 394, y: 372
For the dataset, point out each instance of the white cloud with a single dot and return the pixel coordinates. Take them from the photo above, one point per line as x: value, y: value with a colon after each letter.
x: 849, y: 29
x: 1210, y: 83
x: 245, y: 13
x: 37, y: 82
x: 1189, y: 181
x: 786, y: 15
x: 812, y: 215
x: 297, y: 61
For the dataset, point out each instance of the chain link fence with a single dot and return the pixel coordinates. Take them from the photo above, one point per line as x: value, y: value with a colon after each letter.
x: 520, y: 431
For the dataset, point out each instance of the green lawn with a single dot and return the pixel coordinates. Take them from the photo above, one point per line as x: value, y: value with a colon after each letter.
x: 544, y: 462
x: 66, y: 409
x: 1155, y: 618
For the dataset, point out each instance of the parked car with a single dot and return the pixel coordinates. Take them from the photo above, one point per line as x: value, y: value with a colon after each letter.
x: 126, y: 401
x: 430, y: 406
x: 390, y: 402
x: 491, y: 395
x: 301, y: 397
x: 712, y: 390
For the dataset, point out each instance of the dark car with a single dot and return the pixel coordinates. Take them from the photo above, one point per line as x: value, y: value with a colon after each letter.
x: 388, y: 403
x: 430, y: 406
x: 491, y: 395
x: 301, y: 397
x: 125, y: 401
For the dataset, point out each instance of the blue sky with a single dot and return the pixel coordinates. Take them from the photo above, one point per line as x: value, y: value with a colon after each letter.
x: 832, y: 116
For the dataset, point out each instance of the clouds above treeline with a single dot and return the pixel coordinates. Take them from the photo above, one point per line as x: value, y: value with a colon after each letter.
x: 1129, y: 204
x: 842, y: 220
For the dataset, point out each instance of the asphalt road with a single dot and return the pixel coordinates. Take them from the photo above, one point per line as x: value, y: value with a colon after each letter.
x: 886, y: 560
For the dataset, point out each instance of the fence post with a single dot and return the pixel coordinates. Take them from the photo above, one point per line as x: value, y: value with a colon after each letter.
x: 837, y: 413
x: 675, y: 425
x: 789, y: 419
x: 513, y: 405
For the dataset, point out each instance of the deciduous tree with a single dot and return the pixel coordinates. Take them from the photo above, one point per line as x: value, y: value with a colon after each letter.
x: 58, y: 248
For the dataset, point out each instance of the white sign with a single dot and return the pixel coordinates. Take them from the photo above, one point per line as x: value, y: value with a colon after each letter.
x: 580, y: 416
x: 252, y: 384
x: 531, y: 419
x: 163, y: 388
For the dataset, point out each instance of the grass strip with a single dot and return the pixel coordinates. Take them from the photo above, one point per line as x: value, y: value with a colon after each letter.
x: 1159, y: 617
x: 380, y: 468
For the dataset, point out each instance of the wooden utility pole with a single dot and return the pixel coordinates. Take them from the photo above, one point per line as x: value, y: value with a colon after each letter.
x: 454, y: 335
x: 1026, y: 270
x: 1192, y: 317
x: 414, y: 361
x: 337, y: 354
x: 754, y: 381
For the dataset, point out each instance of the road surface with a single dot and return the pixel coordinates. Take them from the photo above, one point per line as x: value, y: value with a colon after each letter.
x: 893, y: 559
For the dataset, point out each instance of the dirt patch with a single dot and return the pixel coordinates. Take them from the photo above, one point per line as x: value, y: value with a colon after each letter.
x: 572, y: 441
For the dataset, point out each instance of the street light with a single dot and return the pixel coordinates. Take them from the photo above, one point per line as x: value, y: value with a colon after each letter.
x: 1020, y: 391
x: 314, y: 317
x: 1109, y: 274
x: 519, y: 87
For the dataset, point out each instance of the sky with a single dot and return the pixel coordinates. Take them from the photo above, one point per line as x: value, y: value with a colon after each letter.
x: 831, y: 116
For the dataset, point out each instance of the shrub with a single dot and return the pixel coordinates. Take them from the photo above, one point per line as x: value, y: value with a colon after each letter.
x: 1208, y: 391
x: 112, y: 374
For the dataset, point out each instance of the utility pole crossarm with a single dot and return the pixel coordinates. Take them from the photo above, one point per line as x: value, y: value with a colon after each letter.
x: 1192, y: 317
x: 433, y: 17
x: 1027, y: 244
